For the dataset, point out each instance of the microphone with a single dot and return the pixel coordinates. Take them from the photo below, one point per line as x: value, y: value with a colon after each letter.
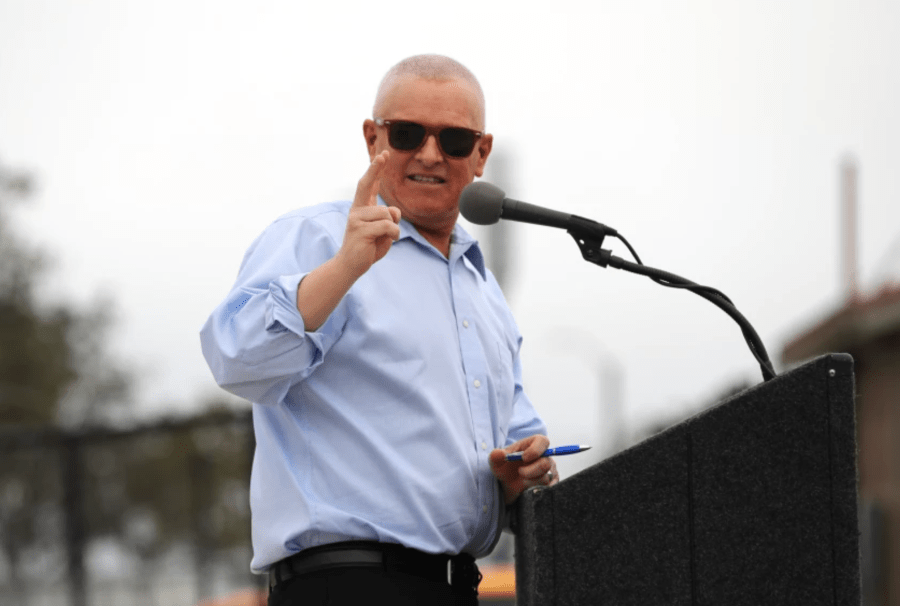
x: 484, y: 204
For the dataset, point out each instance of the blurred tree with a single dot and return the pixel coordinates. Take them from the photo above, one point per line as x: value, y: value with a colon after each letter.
x: 54, y: 373
x: 54, y: 368
x: 67, y: 477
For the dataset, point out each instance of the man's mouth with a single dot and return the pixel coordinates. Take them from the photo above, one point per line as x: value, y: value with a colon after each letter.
x: 425, y: 179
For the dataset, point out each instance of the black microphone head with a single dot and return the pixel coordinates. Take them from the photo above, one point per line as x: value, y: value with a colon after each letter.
x: 481, y: 203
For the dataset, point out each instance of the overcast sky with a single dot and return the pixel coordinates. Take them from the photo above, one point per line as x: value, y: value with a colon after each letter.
x: 166, y: 135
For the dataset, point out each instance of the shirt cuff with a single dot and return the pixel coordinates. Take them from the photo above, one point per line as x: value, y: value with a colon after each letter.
x: 281, y: 305
x: 282, y: 316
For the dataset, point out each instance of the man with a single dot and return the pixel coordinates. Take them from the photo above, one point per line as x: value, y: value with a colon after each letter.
x: 383, y: 364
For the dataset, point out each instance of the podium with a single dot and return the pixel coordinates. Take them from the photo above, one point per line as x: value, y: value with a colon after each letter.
x: 752, y: 501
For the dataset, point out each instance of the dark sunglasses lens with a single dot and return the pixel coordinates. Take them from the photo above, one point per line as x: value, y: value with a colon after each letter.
x: 457, y: 142
x: 406, y: 135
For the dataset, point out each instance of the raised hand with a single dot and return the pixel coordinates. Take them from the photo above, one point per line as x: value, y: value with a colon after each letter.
x: 371, y: 229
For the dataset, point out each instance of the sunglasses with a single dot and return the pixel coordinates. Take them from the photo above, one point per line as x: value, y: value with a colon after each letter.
x: 455, y: 141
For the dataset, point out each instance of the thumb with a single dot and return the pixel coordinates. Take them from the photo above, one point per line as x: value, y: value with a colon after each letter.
x: 497, y: 458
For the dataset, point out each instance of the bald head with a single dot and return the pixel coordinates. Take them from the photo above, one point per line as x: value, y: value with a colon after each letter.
x: 427, y: 67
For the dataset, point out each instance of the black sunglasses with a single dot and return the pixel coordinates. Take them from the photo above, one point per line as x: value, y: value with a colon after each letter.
x: 455, y: 141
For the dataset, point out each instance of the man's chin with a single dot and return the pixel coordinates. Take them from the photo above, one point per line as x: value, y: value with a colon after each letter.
x: 434, y: 205
x: 430, y: 216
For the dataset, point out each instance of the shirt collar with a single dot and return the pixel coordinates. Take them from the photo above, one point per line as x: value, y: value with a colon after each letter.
x: 461, y: 243
x: 464, y: 242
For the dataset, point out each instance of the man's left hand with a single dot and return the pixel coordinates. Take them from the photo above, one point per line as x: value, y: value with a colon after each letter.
x: 532, y: 470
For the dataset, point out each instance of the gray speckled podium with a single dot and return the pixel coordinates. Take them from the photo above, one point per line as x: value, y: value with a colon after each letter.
x: 751, y: 502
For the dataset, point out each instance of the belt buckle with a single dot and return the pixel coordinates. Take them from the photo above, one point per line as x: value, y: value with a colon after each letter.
x: 464, y: 574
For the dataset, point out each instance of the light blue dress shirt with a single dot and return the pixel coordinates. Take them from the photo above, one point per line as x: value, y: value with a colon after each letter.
x: 378, y: 425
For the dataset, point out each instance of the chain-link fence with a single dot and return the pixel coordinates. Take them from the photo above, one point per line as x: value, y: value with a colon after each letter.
x: 146, y: 516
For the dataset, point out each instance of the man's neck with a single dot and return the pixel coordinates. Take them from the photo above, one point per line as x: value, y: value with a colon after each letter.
x: 439, y: 241
x: 439, y: 235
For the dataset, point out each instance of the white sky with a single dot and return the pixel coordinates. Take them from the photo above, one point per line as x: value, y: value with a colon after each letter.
x: 166, y: 135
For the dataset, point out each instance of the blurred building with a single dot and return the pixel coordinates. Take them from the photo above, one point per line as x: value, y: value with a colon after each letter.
x: 869, y: 329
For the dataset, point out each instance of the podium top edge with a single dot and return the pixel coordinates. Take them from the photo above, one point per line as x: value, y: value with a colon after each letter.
x: 840, y: 363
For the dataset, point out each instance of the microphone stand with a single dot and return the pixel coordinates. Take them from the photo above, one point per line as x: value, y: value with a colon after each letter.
x: 589, y: 236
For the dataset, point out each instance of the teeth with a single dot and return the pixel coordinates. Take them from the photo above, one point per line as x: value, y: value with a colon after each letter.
x: 422, y: 179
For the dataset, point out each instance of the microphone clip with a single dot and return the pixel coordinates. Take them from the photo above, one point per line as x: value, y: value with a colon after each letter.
x: 589, y: 238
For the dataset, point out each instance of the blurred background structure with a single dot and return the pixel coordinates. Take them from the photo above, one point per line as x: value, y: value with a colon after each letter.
x: 151, y: 515
x: 867, y: 325
x: 144, y: 145
x: 96, y: 508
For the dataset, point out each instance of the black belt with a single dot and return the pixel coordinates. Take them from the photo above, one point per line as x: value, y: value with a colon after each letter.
x: 463, y: 573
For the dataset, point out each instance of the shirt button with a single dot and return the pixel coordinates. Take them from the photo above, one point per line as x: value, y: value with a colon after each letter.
x: 484, y: 446
x: 484, y: 508
x: 465, y: 323
x: 476, y: 383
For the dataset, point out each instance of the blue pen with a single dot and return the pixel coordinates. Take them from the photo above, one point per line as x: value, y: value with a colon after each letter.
x: 551, y: 452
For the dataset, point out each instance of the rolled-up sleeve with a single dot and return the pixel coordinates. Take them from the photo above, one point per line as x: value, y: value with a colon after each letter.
x: 255, y: 341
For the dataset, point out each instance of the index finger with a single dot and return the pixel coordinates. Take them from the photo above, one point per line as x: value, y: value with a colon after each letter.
x: 370, y: 183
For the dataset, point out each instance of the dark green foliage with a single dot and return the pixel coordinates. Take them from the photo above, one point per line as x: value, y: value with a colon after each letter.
x: 54, y: 368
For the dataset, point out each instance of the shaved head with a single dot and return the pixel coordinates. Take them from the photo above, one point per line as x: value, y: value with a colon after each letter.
x: 427, y: 67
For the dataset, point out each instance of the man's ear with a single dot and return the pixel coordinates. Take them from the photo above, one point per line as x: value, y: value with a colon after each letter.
x: 371, y: 134
x: 483, y: 150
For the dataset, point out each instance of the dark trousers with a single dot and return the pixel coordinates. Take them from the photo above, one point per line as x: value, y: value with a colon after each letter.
x: 365, y: 585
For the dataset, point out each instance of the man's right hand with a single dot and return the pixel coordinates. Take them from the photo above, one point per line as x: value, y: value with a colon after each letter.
x: 371, y: 229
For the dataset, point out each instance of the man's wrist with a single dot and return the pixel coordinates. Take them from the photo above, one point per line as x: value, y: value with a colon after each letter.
x: 320, y: 292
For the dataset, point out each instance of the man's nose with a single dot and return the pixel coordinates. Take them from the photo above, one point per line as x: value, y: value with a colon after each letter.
x: 430, y: 152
